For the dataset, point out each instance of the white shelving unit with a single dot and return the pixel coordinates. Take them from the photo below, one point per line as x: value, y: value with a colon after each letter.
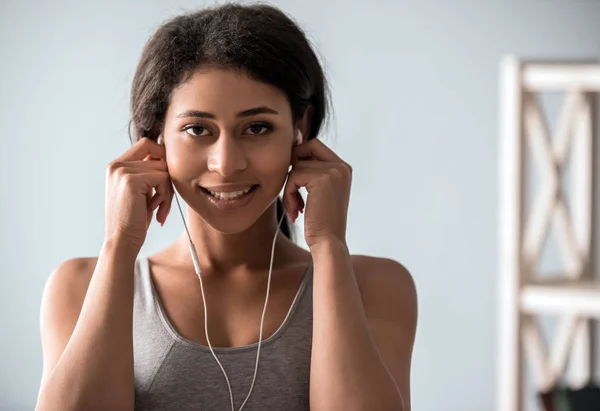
x: 572, y: 295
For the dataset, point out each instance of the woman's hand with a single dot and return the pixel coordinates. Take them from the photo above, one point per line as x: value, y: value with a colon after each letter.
x: 327, y: 179
x: 130, y: 184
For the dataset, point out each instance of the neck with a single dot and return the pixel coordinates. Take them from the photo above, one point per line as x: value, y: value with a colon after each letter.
x: 226, y: 253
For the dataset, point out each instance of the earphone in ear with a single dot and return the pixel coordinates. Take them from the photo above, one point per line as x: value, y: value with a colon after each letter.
x: 299, y: 137
x: 159, y: 140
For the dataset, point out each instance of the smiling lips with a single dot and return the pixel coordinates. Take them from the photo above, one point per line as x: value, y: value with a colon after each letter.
x: 229, y: 193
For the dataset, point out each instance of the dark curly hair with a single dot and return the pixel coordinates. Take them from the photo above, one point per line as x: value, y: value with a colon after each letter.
x: 258, y: 40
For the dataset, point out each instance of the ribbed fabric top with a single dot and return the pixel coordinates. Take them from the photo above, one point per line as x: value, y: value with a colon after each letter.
x: 176, y: 374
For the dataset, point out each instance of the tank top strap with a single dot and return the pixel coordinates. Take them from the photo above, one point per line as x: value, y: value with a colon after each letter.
x: 151, y: 342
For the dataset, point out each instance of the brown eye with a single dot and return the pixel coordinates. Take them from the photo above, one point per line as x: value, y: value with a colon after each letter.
x: 259, y: 129
x: 198, y: 130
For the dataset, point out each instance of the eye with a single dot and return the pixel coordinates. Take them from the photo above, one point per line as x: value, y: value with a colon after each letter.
x: 197, y: 128
x: 259, y: 129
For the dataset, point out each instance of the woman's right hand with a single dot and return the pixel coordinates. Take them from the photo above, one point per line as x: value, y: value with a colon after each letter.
x: 136, y: 184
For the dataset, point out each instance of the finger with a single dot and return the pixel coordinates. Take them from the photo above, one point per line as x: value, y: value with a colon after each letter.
x: 162, y: 192
x: 149, y: 163
x: 165, y: 207
x: 155, y: 201
x: 149, y: 211
x: 141, y: 149
x: 163, y: 211
x: 159, y: 184
x: 145, y: 181
x: 292, y: 199
x: 144, y: 178
x: 150, y: 158
x: 321, y: 167
x: 316, y: 149
x: 160, y: 165
x: 300, y: 201
x: 140, y: 166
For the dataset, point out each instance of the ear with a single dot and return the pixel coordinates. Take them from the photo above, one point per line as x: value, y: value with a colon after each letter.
x: 299, y: 138
x: 303, y: 125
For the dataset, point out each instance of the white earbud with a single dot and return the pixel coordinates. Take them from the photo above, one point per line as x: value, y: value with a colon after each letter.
x: 159, y: 140
x: 299, y: 137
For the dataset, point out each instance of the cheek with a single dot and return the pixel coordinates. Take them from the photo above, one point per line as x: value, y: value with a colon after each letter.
x: 184, y: 163
x: 272, y: 164
x: 271, y: 167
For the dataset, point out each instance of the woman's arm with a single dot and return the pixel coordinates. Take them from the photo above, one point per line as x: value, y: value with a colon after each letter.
x: 86, y: 330
x: 362, y: 344
x: 362, y: 347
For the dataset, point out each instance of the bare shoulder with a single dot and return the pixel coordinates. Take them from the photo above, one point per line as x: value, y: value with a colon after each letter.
x: 62, y: 299
x: 390, y: 301
x: 70, y: 279
x: 64, y: 293
x: 385, y: 284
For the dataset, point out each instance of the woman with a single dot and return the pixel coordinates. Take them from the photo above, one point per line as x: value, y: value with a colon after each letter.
x: 223, y: 101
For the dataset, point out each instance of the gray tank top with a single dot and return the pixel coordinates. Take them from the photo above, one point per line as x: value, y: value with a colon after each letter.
x: 176, y: 374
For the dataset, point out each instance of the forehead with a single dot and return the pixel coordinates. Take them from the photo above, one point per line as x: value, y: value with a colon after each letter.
x: 224, y: 91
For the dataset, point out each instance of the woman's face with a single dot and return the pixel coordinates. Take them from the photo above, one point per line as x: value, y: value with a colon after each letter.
x: 228, y: 140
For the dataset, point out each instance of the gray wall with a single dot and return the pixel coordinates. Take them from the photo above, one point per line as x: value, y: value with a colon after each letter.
x: 415, y: 88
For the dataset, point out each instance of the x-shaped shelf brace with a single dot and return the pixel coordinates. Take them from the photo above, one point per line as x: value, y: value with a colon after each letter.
x: 550, y: 206
x: 551, y: 155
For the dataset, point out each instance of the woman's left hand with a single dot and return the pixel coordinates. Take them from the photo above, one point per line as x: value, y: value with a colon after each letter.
x: 327, y: 179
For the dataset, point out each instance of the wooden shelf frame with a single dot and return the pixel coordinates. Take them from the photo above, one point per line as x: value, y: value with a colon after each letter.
x: 524, y: 294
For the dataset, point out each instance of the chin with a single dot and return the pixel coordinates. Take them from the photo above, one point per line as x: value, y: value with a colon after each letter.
x: 230, y: 226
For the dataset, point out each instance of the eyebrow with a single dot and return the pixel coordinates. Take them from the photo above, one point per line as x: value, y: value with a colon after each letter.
x: 245, y: 113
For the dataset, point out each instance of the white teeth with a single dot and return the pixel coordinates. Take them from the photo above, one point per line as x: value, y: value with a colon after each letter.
x: 229, y: 196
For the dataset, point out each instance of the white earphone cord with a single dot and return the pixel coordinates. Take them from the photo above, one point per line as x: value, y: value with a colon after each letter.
x: 198, y: 273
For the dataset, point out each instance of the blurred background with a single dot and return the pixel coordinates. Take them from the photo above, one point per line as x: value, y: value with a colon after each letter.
x: 415, y: 87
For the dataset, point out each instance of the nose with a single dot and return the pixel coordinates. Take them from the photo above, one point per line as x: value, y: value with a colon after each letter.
x: 226, y: 156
